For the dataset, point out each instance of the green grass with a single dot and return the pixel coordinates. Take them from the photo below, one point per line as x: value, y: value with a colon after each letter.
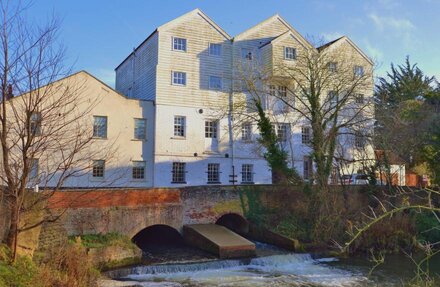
x: 103, y: 240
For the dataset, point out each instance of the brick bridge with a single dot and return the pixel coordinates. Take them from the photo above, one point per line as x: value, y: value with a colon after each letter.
x: 129, y: 211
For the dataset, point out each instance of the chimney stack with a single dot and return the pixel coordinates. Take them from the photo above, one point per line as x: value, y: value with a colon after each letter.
x: 9, y: 95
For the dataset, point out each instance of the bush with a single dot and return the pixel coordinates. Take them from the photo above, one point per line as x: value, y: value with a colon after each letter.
x: 294, y: 228
x: 428, y: 227
x: 20, y: 273
x: 103, y: 240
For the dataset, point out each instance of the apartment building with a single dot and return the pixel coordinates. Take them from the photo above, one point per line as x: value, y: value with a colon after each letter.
x: 189, y: 68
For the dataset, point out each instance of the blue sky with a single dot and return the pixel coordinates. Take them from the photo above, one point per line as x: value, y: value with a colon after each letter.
x: 100, y: 34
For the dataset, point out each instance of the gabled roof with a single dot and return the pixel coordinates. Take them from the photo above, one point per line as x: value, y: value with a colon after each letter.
x: 345, y: 38
x: 275, y: 17
x: 177, y: 21
x: 281, y: 37
x: 194, y: 12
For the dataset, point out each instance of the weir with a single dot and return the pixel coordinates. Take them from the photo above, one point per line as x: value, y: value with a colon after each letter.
x: 218, y: 240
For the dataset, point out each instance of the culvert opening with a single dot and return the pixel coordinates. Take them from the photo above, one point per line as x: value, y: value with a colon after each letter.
x: 158, y: 236
x: 234, y: 222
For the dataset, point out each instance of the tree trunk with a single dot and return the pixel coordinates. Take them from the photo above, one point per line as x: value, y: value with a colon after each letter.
x: 11, y: 238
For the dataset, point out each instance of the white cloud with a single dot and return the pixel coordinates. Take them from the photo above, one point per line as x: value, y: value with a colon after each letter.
x: 386, y: 22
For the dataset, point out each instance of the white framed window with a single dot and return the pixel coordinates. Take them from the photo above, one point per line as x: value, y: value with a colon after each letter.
x: 35, y: 123
x: 179, y: 126
x: 359, y: 139
x: 179, y: 172
x: 359, y: 99
x: 211, y: 129
x: 307, y: 167
x: 332, y: 67
x: 213, y: 173
x: 179, y: 44
x: 215, y: 49
x: 246, y: 132
x: 215, y: 83
x: 306, y: 136
x: 100, y: 127
x: 179, y: 78
x: 246, y: 54
x: 140, y: 129
x: 247, y: 173
x: 289, y: 53
x: 138, y: 170
x: 283, y: 132
x: 358, y: 71
x: 98, y: 168
x: 34, y: 168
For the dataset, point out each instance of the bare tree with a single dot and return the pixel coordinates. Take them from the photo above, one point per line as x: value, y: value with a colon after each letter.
x: 328, y: 90
x: 45, y: 130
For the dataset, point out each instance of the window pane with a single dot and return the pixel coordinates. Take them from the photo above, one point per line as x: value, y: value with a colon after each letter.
x: 215, y: 49
x: 307, y: 167
x: 211, y: 129
x: 138, y: 170
x: 179, y: 126
x: 140, y: 129
x: 179, y: 78
x: 98, y: 168
x: 215, y: 83
x: 100, y: 127
x: 178, y: 173
x: 246, y: 54
x: 289, y: 53
x: 246, y: 132
x: 179, y: 44
x: 35, y: 124
x: 34, y: 166
x: 283, y: 132
x: 213, y: 173
x: 305, y: 135
x: 247, y: 174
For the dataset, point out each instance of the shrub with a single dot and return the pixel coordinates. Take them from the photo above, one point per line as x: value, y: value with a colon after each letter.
x: 428, y: 227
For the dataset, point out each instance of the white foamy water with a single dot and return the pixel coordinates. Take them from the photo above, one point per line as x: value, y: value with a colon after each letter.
x: 275, y: 270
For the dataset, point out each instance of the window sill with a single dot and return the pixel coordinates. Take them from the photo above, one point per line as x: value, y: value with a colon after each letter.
x: 178, y: 138
x: 138, y: 140
x: 178, y: 85
x: 97, y: 179
x: 178, y: 182
x: 247, y: 182
x: 99, y: 138
x: 138, y: 180
x: 214, y: 182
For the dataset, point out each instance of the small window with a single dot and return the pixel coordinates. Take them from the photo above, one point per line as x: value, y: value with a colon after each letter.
x: 140, y: 129
x: 98, y: 168
x: 211, y: 129
x: 179, y: 126
x: 289, y: 53
x: 138, y: 171
x: 359, y: 98
x: 100, y: 127
x: 246, y: 132
x: 306, y: 137
x: 34, y: 169
x: 333, y: 98
x: 215, y: 49
x: 358, y: 71
x: 247, y: 173
x: 359, y: 140
x: 283, y: 132
x: 246, y: 54
x: 179, y: 78
x: 179, y: 44
x: 213, y: 173
x: 307, y: 168
x: 179, y: 172
x: 272, y: 90
x: 282, y: 91
x: 332, y: 67
x: 215, y: 83
x: 35, y: 124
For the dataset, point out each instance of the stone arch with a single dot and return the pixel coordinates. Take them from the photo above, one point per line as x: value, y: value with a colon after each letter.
x: 157, y: 235
x: 235, y: 222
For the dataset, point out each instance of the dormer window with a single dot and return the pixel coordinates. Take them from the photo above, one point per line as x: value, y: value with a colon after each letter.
x: 289, y: 53
x: 179, y: 44
x: 247, y: 54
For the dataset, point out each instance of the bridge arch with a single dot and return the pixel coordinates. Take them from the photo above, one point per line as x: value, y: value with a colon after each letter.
x: 234, y: 222
x: 157, y: 235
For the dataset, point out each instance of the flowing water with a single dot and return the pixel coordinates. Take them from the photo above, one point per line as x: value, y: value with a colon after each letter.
x: 272, y: 267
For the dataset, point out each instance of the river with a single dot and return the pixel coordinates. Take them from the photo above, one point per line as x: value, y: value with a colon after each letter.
x: 273, y: 267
